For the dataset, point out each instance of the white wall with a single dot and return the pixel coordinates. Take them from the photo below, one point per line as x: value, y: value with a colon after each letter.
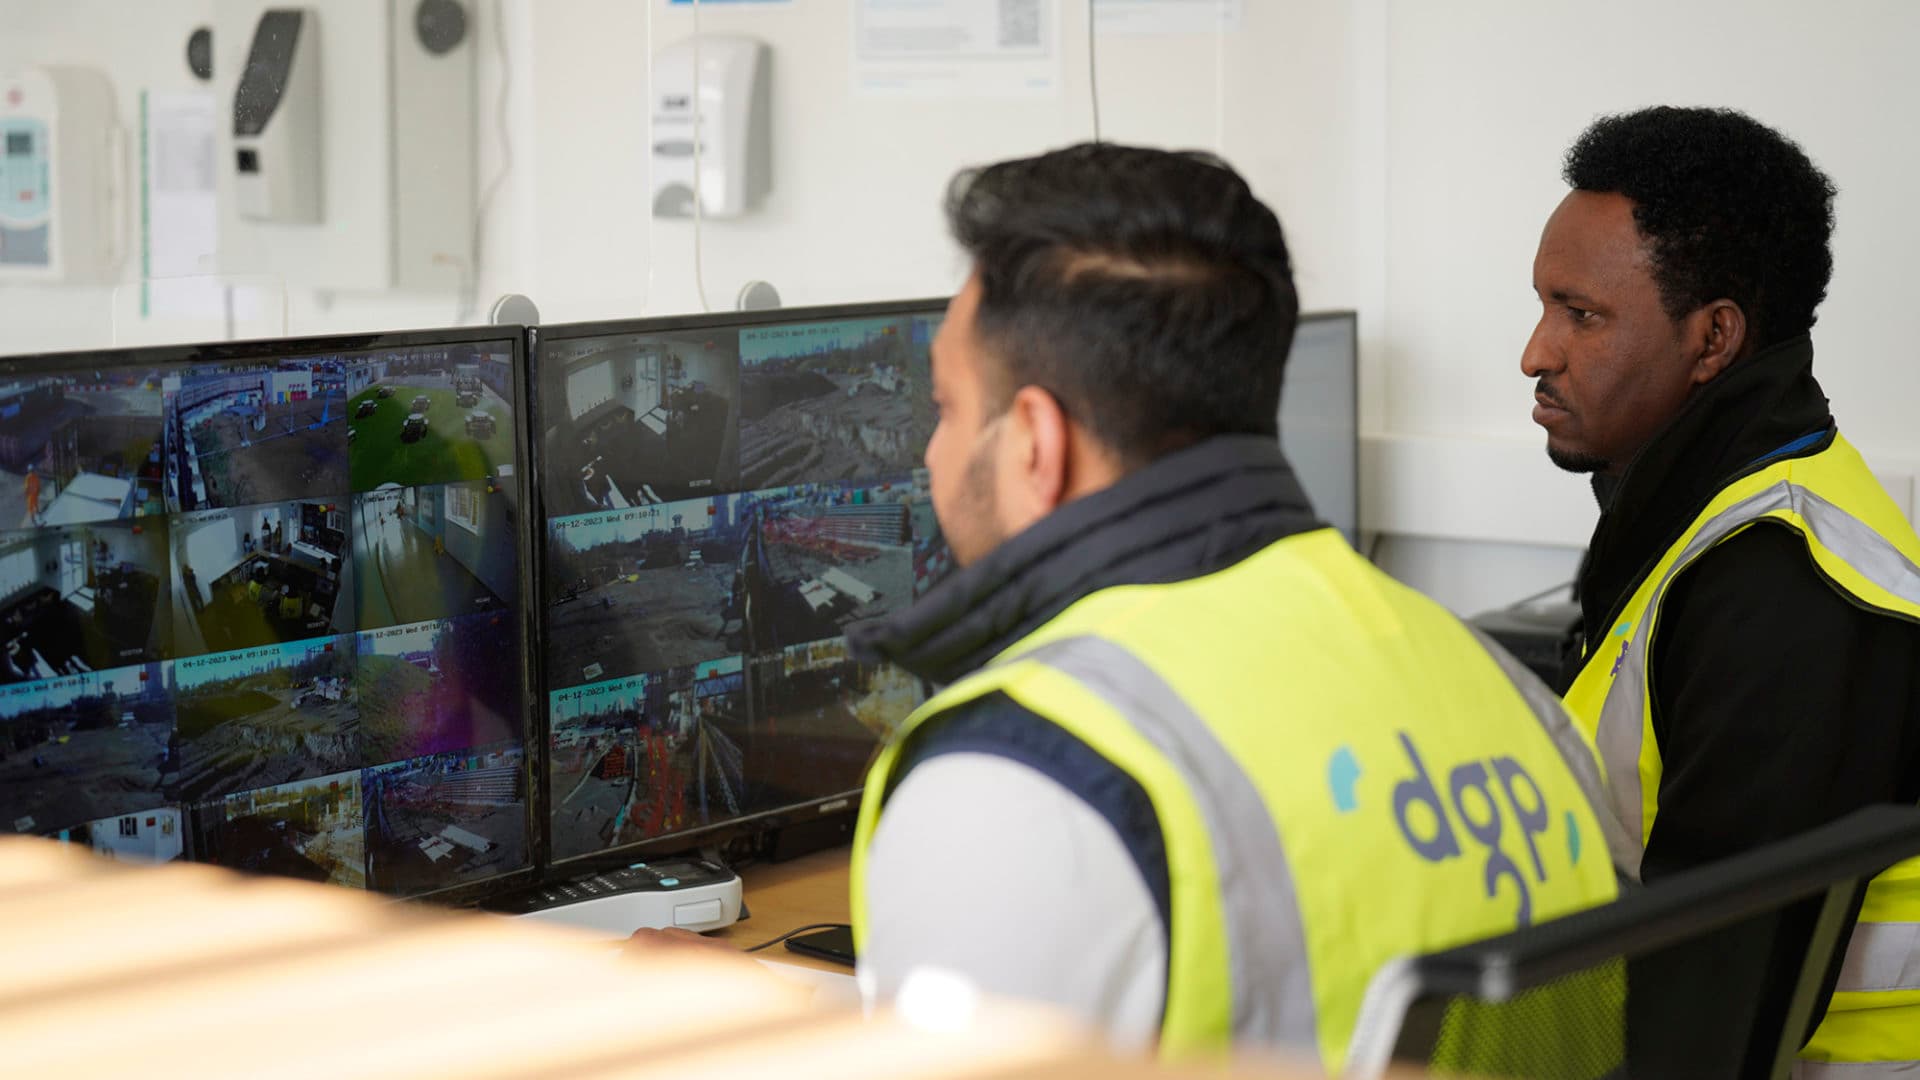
x: 858, y: 180
x: 1411, y: 148
x: 143, y: 47
x: 1483, y: 99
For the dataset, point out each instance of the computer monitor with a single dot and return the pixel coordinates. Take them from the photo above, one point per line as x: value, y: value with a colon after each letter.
x: 720, y: 497
x: 261, y: 606
x: 1319, y: 417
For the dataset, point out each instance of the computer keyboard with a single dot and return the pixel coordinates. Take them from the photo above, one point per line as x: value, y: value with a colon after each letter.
x: 692, y: 894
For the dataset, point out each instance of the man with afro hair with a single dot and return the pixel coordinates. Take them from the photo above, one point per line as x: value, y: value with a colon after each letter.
x: 1750, y: 655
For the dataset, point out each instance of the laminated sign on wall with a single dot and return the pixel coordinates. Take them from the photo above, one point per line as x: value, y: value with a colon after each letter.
x: 1166, y: 16
x: 957, y: 48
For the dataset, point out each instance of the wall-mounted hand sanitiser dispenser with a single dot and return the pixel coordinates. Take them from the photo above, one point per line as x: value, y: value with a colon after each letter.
x: 63, y: 174
x: 349, y: 161
x: 276, y: 120
x: 735, y: 137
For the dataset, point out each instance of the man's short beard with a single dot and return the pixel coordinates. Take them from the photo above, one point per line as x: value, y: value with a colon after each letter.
x: 978, y: 499
x: 1576, y: 462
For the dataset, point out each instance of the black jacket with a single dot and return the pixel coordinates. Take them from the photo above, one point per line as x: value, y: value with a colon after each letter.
x: 1191, y: 513
x: 1778, y: 703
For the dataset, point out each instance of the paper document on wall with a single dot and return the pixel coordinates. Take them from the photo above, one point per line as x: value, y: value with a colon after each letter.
x: 957, y: 48
x: 181, y: 219
x: 1166, y: 16
x: 179, y: 223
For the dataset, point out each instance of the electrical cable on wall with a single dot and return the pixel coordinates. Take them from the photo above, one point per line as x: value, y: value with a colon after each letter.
x: 1093, y: 70
x: 470, y: 285
x: 653, y: 251
x: 699, y: 106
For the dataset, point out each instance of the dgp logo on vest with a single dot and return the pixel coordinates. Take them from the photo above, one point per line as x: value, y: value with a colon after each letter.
x: 1480, y: 817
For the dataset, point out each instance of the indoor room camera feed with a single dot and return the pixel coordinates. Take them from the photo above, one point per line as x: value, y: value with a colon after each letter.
x: 80, y: 446
x: 640, y: 418
x: 84, y: 747
x: 434, y: 687
x: 824, y: 556
x: 645, y: 756
x: 260, y: 575
x: 424, y: 553
x: 645, y: 589
x: 819, y: 715
x: 264, y: 717
x: 446, y: 819
x: 431, y: 414
x: 256, y: 433
x: 309, y: 829
x: 81, y: 598
x: 834, y: 400
x: 148, y: 836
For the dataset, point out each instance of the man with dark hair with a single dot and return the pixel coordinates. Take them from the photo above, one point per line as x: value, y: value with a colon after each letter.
x: 1751, y: 664
x: 1201, y: 769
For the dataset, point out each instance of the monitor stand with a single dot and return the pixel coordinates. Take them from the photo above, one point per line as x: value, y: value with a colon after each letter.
x: 689, y: 893
x: 797, y: 836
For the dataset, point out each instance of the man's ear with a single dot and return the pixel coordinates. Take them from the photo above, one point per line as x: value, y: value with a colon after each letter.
x: 1041, y: 443
x: 1719, y: 332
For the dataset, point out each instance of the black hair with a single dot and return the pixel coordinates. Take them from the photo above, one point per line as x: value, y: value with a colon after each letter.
x: 1730, y: 208
x: 1149, y: 291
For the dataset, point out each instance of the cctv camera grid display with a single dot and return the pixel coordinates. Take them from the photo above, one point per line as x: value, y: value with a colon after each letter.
x: 203, y: 656
x: 696, y: 664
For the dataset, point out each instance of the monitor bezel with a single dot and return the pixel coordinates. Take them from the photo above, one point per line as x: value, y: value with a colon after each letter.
x: 764, y: 821
x: 1352, y: 318
x: 257, y: 349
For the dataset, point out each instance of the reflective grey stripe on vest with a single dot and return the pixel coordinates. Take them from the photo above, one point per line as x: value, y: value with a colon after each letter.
x: 1552, y: 714
x: 1882, y: 956
x: 1855, y: 1070
x: 1621, y: 715
x: 1266, y: 944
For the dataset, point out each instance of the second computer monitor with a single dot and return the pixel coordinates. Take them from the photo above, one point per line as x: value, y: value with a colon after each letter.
x: 1319, y: 420
x: 721, y: 498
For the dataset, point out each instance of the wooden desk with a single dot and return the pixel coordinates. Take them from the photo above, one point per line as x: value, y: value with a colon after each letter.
x: 784, y: 896
x: 813, y: 889
x: 188, y: 970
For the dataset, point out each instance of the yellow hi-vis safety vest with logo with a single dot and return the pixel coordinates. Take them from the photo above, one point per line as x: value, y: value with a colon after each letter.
x: 1342, y: 775
x: 1864, y: 545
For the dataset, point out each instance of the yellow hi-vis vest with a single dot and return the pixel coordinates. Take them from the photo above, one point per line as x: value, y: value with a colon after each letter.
x: 1342, y: 775
x: 1861, y: 542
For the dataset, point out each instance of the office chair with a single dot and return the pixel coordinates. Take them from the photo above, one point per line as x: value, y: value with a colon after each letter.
x: 1665, y: 981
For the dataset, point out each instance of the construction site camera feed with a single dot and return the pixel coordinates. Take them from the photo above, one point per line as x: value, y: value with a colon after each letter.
x: 834, y: 401
x: 79, y: 446
x: 252, y: 613
x: 648, y: 755
x: 698, y: 591
x: 457, y: 816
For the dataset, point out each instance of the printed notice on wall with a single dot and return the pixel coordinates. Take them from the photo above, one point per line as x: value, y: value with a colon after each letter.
x: 179, y: 226
x: 1166, y: 16
x: 956, y: 48
x: 177, y: 214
